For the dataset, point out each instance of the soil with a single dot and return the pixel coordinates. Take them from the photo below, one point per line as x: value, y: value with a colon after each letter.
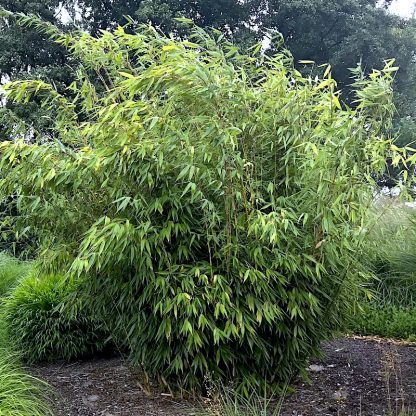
x: 103, y: 387
x: 357, y: 377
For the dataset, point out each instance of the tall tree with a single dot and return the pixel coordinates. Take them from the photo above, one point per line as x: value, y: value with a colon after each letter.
x: 24, y: 53
x: 345, y: 33
x: 341, y: 32
x: 233, y: 17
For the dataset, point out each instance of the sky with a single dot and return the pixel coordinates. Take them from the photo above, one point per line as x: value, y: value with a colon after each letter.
x: 403, y: 7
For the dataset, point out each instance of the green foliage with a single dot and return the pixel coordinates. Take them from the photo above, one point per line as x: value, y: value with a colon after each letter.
x: 390, y: 251
x: 20, y: 394
x: 231, y: 16
x: 11, y: 272
x: 391, y: 254
x: 341, y: 32
x: 344, y: 32
x: 24, y: 52
x: 386, y: 321
x: 215, y: 200
x: 225, y: 401
x: 39, y: 328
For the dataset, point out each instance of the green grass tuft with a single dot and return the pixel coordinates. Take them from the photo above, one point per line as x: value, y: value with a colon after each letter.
x: 11, y: 272
x: 227, y: 402
x: 39, y: 326
x: 20, y: 394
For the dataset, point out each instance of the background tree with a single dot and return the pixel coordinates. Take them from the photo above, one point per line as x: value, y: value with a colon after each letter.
x: 346, y: 32
x: 231, y: 16
x: 26, y: 53
x: 341, y: 32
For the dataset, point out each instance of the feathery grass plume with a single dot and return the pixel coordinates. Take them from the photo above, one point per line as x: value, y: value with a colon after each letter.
x: 390, y: 311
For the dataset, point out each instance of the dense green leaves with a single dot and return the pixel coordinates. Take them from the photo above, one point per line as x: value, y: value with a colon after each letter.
x: 11, y: 272
x: 27, y: 53
x: 341, y: 32
x: 20, y: 394
x: 216, y: 201
x: 39, y: 327
x: 383, y: 320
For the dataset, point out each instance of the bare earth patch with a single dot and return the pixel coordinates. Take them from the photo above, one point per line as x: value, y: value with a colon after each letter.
x: 357, y: 377
x: 103, y: 388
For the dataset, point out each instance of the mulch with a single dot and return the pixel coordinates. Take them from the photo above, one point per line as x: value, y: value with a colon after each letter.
x: 103, y: 387
x: 357, y: 377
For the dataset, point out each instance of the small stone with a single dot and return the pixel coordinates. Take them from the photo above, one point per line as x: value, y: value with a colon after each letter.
x: 93, y: 398
x: 90, y: 401
x: 340, y: 395
x: 315, y: 368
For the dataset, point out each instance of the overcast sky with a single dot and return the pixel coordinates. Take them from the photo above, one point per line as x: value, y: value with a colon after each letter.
x: 403, y: 7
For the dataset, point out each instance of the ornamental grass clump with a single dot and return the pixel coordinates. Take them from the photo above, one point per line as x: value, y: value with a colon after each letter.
x: 390, y: 310
x: 20, y: 394
x: 39, y: 326
x: 12, y: 271
x: 215, y: 200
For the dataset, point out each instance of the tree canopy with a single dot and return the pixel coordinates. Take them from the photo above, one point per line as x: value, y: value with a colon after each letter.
x: 341, y: 32
x: 24, y: 52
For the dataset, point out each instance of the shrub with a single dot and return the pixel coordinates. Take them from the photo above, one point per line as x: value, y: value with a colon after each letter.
x: 39, y: 327
x: 20, y: 394
x: 386, y: 321
x: 215, y: 200
x: 11, y: 272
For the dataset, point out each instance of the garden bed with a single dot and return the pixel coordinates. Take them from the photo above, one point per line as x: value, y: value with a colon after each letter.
x: 358, y: 376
